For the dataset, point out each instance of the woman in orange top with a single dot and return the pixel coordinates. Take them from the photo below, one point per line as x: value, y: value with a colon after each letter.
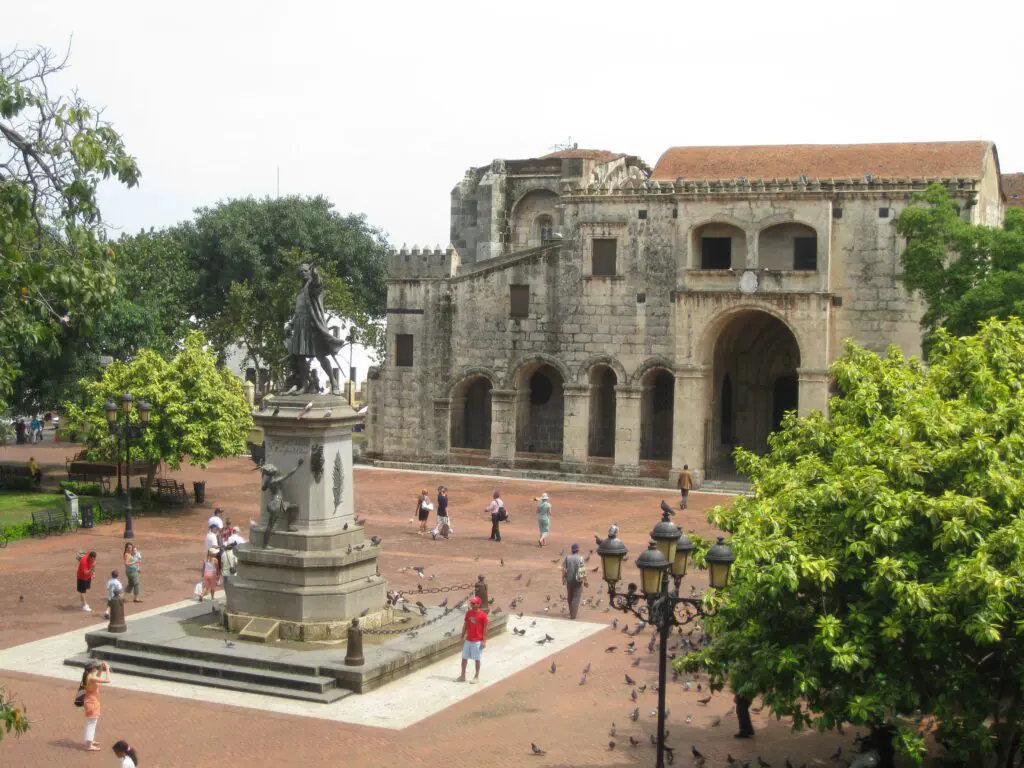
x: 96, y: 673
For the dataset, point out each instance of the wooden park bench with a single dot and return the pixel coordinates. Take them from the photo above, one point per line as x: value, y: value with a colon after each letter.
x: 170, y: 490
x: 49, y: 521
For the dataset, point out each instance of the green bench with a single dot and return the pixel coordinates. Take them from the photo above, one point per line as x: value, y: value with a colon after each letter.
x: 49, y: 521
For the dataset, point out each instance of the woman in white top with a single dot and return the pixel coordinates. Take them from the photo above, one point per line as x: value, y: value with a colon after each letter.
x: 127, y: 755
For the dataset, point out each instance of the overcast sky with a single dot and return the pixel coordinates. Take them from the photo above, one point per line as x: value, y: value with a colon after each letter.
x: 383, y: 106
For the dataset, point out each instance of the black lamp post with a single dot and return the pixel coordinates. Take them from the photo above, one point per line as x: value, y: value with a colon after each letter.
x: 668, y: 553
x: 126, y: 431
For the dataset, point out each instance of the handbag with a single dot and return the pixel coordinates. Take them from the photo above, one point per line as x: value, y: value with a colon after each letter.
x: 80, y: 696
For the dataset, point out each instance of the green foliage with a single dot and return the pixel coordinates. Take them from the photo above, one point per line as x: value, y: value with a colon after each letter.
x: 966, y: 273
x: 13, y: 715
x: 245, y: 255
x: 880, y: 561
x: 18, y: 483
x: 199, y: 409
x: 16, y: 531
x: 81, y: 488
x: 55, y: 269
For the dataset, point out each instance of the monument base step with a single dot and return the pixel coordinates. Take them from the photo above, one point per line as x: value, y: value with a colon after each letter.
x: 319, y: 689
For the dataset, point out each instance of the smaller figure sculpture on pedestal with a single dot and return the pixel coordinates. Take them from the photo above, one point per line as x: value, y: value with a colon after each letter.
x: 277, y: 507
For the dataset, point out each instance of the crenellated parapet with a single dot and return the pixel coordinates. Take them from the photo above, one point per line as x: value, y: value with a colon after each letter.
x: 633, y: 187
x: 423, y: 263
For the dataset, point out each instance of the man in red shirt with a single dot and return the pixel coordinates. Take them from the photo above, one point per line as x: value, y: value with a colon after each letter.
x: 474, y: 637
x: 86, y: 567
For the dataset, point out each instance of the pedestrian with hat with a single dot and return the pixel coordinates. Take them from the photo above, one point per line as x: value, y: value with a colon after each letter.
x: 96, y: 673
x: 543, y: 518
x: 574, y: 576
x: 474, y: 638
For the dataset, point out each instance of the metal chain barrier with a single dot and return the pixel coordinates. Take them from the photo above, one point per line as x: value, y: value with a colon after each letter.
x: 448, y: 610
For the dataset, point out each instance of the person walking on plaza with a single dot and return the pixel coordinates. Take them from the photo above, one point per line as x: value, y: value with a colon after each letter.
x: 474, y: 638
x: 127, y: 755
x: 423, y: 507
x: 36, y: 428
x: 133, y: 570
x: 543, y: 518
x: 574, y: 576
x: 96, y: 673
x: 86, y: 568
x: 685, y: 484
x: 114, y: 590
x: 498, y: 514
x: 210, y: 569
x: 743, y: 716
x: 444, y: 523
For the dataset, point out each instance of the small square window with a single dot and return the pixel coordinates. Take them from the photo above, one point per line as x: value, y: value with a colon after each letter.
x: 604, y: 249
x: 641, y: 298
x: 837, y: 213
x: 837, y: 301
x: 519, y: 300
x: 403, y: 350
x: 642, y: 213
x: 883, y: 213
x: 675, y: 213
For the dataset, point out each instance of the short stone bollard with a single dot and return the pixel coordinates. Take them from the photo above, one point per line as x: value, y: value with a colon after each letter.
x: 354, y: 647
x: 480, y: 590
x: 117, y: 622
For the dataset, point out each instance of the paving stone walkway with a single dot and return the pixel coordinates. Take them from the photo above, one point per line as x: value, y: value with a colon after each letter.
x: 425, y: 720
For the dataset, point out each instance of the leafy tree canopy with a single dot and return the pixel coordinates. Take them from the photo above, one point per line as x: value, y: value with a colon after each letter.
x: 880, y: 561
x: 199, y: 409
x: 967, y: 273
x: 55, y: 269
x: 245, y: 255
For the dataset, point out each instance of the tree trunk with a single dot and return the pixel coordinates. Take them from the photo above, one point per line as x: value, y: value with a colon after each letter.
x: 150, y: 474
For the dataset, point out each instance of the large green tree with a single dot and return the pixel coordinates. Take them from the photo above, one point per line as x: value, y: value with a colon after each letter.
x: 245, y: 255
x: 966, y: 273
x: 880, y: 560
x: 55, y: 268
x: 199, y: 408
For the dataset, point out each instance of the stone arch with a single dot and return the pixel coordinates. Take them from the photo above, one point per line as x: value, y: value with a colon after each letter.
x: 603, y: 379
x: 755, y: 358
x: 720, y: 243
x: 470, y: 372
x: 709, y: 335
x: 516, y: 378
x: 648, y: 364
x: 525, y: 213
x: 584, y: 371
x: 657, y: 407
x: 470, y: 412
x: 540, y: 406
x: 788, y: 245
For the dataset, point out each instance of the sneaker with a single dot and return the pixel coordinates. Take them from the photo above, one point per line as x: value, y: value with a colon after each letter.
x: 87, y: 609
x: 106, y: 614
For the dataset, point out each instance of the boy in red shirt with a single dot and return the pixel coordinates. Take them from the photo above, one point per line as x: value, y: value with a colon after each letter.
x: 474, y: 638
x: 86, y: 567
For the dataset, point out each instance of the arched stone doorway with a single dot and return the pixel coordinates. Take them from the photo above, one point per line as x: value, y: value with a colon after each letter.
x: 471, y: 414
x: 657, y: 402
x: 601, y: 432
x: 755, y: 384
x: 540, y: 410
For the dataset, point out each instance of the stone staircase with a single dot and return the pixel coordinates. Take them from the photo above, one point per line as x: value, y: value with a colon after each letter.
x: 235, y: 672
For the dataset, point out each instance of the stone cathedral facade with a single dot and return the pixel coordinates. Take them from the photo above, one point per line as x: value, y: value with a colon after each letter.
x: 596, y: 316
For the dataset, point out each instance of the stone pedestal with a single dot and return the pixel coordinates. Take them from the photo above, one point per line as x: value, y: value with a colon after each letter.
x: 318, y: 571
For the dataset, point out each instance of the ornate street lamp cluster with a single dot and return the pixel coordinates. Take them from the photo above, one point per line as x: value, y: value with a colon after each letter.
x: 126, y: 431
x: 668, y: 554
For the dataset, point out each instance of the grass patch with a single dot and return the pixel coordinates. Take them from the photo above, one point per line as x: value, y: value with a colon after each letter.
x: 17, y: 507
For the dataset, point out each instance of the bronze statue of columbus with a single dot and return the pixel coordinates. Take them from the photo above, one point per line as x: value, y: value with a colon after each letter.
x: 306, y: 336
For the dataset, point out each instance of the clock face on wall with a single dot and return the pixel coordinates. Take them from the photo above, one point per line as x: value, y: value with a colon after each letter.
x: 748, y: 282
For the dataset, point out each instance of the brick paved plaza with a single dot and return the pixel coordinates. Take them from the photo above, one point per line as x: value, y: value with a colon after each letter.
x: 493, y: 726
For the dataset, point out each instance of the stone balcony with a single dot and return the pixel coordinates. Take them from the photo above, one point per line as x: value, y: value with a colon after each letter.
x: 753, y: 280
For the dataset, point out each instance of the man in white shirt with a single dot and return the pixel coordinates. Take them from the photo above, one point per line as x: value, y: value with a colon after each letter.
x: 114, y: 589
x: 216, y: 519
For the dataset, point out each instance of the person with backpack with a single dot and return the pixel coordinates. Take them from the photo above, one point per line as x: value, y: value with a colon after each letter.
x: 498, y: 515
x: 96, y: 673
x: 574, y: 576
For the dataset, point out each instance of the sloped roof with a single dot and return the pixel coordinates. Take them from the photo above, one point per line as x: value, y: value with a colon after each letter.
x: 1013, y: 188
x: 824, y: 161
x: 600, y: 155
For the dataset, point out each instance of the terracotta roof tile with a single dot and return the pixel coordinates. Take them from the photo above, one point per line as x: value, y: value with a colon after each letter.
x: 600, y: 155
x: 1013, y: 188
x: 824, y: 161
